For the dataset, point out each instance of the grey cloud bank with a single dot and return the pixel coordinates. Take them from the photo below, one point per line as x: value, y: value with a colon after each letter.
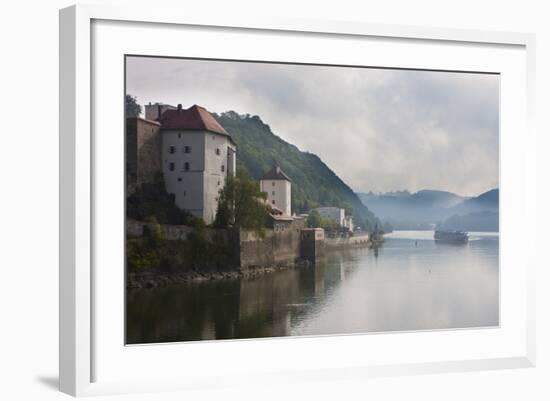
x: 378, y: 129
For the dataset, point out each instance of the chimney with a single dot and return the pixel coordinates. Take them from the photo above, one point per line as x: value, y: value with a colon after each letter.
x: 179, y: 107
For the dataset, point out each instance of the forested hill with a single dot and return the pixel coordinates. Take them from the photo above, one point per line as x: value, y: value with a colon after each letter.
x: 313, y: 182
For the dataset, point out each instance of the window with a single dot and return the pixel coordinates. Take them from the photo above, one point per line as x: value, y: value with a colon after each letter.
x: 171, y: 166
x: 223, y: 168
x: 273, y: 201
x: 184, y: 193
x: 272, y: 183
x: 172, y: 149
x: 179, y: 135
x: 186, y: 166
x: 273, y: 193
x: 179, y: 179
x: 187, y: 149
x: 218, y: 151
x: 213, y: 137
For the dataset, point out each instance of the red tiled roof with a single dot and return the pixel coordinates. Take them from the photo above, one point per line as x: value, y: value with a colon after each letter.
x: 194, y: 118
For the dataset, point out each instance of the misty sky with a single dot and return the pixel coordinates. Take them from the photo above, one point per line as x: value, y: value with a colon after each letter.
x: 379, y: 130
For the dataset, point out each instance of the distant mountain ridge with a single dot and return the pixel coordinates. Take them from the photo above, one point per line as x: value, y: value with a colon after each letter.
x: 474, y: 221
x: 436, y: 198
x: 487, y: 201
x: 313, y: 182
x: 475, y: 214
x: 426, y: 208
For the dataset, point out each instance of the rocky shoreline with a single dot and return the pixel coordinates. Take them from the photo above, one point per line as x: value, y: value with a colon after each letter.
x: 157, y: 279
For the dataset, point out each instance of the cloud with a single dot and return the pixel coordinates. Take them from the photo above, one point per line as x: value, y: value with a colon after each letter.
x: 378, y: 129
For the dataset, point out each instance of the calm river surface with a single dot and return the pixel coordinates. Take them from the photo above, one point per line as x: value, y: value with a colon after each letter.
x: 411, y: 283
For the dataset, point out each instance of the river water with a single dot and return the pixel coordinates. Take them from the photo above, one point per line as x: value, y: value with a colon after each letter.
x: 410, y: 283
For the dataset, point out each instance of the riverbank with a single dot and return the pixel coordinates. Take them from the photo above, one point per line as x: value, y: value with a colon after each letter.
x: 405, y: 276
x: 161, y: 255
x: 158, y: 279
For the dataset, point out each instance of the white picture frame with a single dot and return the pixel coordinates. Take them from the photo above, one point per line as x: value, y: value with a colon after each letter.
x: 79, y: 315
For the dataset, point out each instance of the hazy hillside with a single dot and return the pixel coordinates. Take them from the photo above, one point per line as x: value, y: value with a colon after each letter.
x: 313, y: 182
x: 423, y: 209
x: 475, y: 214
x: 475, y: 221
x: 487, y: 201
x: 411, y: 210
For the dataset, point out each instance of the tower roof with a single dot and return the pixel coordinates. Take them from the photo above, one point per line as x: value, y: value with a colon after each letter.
x: 193, y: 118
x: 275, y: 174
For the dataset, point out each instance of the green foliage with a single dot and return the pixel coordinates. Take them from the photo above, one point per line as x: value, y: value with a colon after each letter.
x: 149, y: 252
x: 314, y: 219
x: 313, y: 182
x: 197, y: 244
x: 133, y: 109
x: 152, y: 233
x: 328, y: 225
x: 240, y: 204
x: 201, y: 251
x: 141, y: 257
x: 152, y: 200
x: 377, y: 234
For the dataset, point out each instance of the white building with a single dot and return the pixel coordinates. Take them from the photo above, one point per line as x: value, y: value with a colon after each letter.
x: 277, y: 185
x: 337, y: 215
x: 333, y: 213
x: 348, y: 223
x: 197, y: 157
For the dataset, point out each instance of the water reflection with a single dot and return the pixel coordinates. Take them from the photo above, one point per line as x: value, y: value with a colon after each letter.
x: 410, y: 283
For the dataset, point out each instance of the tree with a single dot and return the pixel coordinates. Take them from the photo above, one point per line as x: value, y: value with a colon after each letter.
x: 152, y: 232
x: 328, y: 225
x: 377, y: 235
x: 133, y: 109
x: 314, y: 219
x: 241, y: 205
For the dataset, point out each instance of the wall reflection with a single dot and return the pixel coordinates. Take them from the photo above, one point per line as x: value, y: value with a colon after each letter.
x: 409, y: 284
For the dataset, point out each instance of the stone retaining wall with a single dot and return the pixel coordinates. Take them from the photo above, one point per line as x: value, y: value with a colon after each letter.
x: 136, y: 228
x: 355, y: 241
x: 276, y: 248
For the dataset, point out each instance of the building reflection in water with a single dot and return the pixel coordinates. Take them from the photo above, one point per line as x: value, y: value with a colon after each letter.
x: 402, y: 287
x: 263, y: 306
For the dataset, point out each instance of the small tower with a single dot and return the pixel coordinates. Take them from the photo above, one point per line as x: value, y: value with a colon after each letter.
x: 277, y: 185
x: 154, y: 112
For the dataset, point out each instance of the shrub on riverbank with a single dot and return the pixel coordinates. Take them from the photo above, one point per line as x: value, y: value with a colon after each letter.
x: 199, y: 252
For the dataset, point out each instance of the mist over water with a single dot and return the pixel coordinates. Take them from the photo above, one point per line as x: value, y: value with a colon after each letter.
x: 411, y: 283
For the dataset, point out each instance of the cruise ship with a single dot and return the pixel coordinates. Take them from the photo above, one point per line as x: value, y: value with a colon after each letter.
x: 455, y: 237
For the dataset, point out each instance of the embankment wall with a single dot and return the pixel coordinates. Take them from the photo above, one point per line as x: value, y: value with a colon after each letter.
x: 351, y: 242
x: 276, y: 248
